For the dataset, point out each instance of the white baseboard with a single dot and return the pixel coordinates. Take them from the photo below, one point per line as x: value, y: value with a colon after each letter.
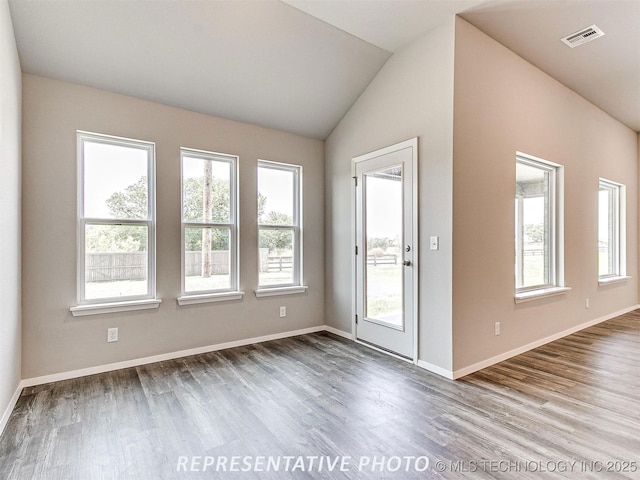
x: 443, y: 372
x: 12, y: 404
x: 136, y: 362
x: 340, y: 333
x: 538, y: 343
x: 29, y: 382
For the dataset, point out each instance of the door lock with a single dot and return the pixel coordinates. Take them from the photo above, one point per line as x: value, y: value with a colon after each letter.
x: 407, y: 263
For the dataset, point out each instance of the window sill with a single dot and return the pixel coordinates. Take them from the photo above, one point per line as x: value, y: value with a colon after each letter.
x: 542, y: 293
x: 612, y: 280
x: 209, y: 297
x: 270, y: 292
x: 114, y: 307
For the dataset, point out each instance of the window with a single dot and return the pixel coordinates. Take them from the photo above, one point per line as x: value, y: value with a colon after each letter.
x: 116, y: 212
x: 279, y: 225
x: 209, y: 225
x: 538, y: 227
x: 611, y: 230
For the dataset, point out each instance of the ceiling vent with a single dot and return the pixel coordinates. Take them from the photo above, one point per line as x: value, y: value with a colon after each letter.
x: 583, y: 36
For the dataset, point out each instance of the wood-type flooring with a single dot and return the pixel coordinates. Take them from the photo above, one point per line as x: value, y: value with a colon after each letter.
x: 325, y: 407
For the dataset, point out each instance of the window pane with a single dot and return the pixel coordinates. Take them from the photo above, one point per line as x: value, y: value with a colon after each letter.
x: 206, y: 190
x: 276, y: 256
x: 115, y: 261
x: 276, y: 201
x: 383, y: 230
x: 604, y: 232
x: 207, y: 261
x: 533, y: 228
x: 115, y: 181
x: 609, y: 225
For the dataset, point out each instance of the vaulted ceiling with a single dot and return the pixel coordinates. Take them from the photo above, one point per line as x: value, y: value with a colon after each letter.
x: 605, y: 71
x: 299, y: 65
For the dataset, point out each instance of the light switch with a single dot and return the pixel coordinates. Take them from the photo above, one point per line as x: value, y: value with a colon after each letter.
x: 434, y: 243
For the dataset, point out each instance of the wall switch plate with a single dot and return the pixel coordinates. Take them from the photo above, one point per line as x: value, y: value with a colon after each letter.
x: 283, y: 312
x: 497, y: 327
x: 112, y: 335
x: 586, y: 303
x: 434, y: 243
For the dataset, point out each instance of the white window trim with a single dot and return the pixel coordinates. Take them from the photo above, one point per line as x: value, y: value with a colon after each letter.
x: 215, y: 295
x: 531, y: 295
x: 99, y: 308
x: 271, y: 292
x: 115, y: 304
x: 296, y: 286
x: 209, y: 298
x: 620, y: 276
x: 556, y: 285
x: 612, y: 279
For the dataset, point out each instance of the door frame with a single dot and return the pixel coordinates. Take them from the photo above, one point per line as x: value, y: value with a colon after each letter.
x: 413, y: 144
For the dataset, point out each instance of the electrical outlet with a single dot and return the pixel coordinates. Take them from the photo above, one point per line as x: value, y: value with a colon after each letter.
x: 586, y: 303
x: 283, y: 312
x: 112, y: 335
x: 497, y: 327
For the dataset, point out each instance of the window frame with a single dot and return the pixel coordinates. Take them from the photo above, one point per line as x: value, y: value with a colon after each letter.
x: 555, y: 280
x: 130, y: 302
x: 617, y: 230
x: 231, y: 292
x: 296, y: 227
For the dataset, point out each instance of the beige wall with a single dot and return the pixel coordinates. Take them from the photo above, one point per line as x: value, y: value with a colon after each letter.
x: 412, y: 96
x: 55, y: 341
x: 502, y: 105
x: 10, y: 231
x: 467, y: 172
x: 466, y: 180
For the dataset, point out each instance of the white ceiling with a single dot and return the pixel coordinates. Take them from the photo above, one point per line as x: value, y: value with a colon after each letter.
x: 300, y: 69
x: 389, y: 24
x: 261, y: 62
x: 605, y: 71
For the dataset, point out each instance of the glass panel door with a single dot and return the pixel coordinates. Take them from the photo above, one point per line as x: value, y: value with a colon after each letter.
x: 386, y: 275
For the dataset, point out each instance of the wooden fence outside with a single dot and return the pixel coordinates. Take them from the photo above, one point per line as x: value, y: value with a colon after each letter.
x: 382, y: 259
x: 112, y: 267
x: 109, y: 267
x: 275, y: 262
x: 219, y: 263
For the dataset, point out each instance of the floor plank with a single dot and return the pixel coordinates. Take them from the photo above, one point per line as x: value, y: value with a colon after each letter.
x: 568, y: 409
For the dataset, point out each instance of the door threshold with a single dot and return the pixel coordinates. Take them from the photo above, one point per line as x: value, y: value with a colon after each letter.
x: 384, y: 350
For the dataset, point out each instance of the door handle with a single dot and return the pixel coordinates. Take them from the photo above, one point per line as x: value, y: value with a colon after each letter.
x: 407, y: 263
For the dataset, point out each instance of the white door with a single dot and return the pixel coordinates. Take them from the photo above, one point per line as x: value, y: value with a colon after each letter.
x: 386, y: 248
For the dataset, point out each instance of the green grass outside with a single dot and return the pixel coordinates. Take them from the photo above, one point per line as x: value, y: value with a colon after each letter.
x: 384, y: 290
